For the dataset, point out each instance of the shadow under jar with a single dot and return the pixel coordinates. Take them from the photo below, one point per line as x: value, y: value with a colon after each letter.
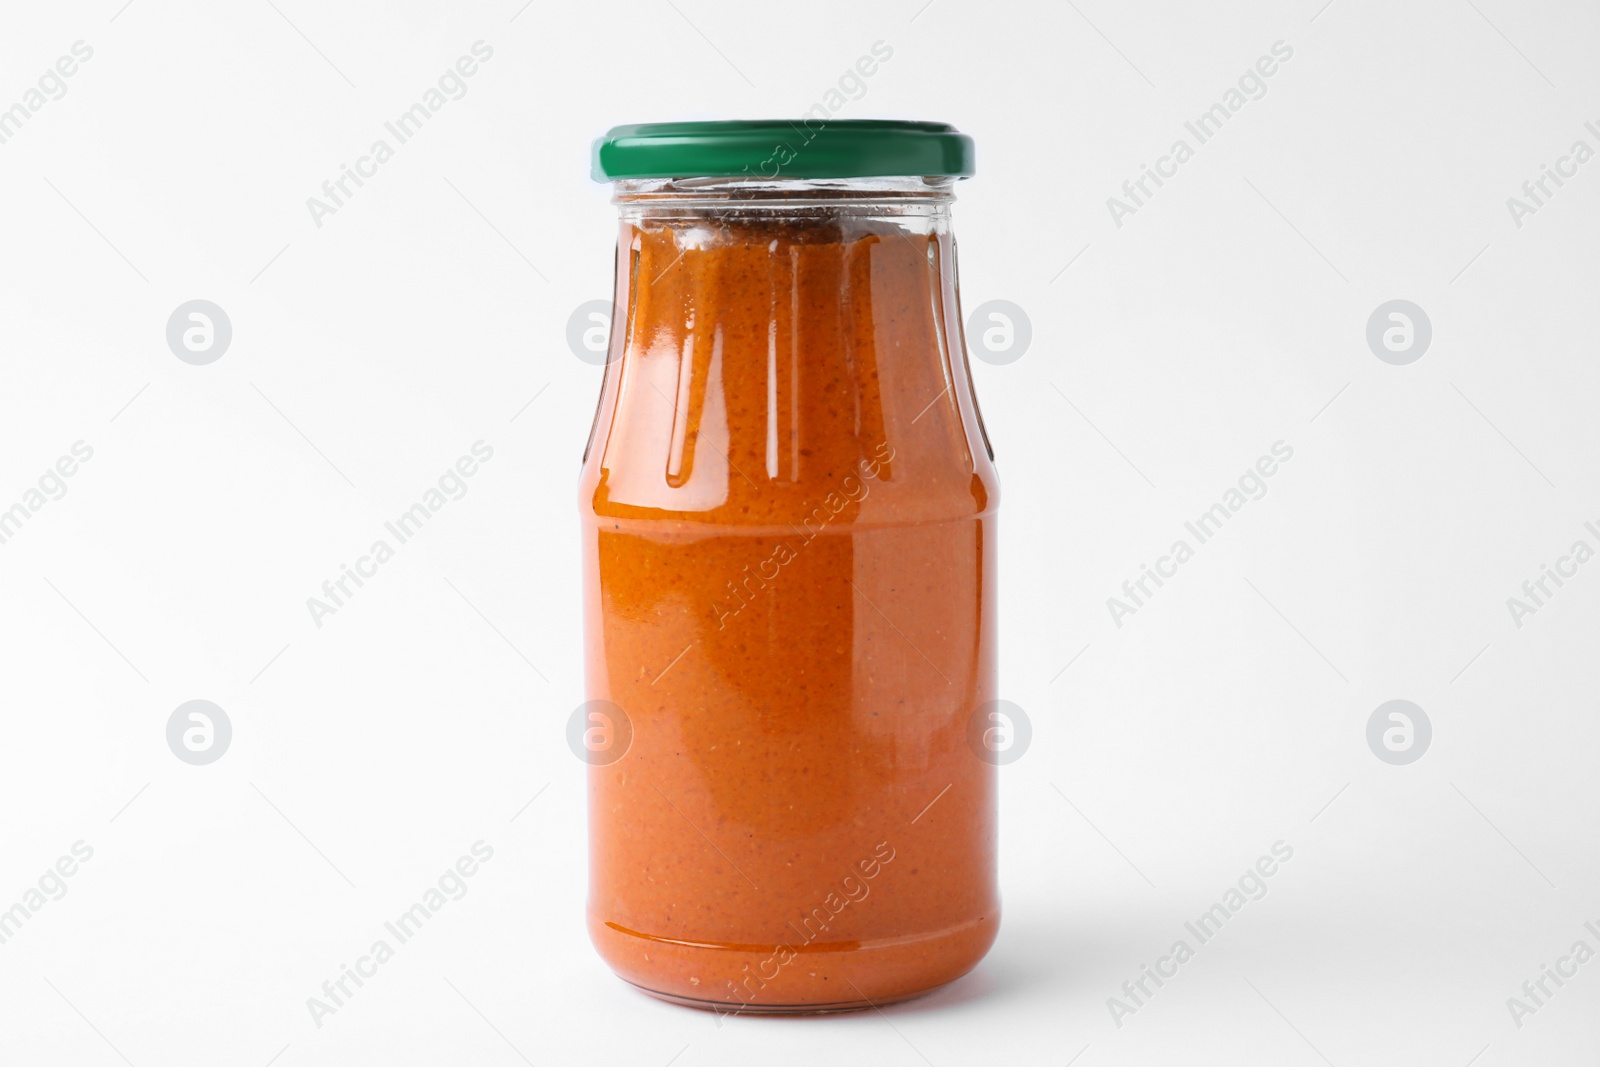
x: 788, y: 509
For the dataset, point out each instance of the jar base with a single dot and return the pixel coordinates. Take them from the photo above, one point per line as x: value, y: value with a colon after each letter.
x: 725, y: 1008
x: 793, y: 980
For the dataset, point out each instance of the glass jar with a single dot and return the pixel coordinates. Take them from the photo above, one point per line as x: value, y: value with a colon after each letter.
x: 788, y: 509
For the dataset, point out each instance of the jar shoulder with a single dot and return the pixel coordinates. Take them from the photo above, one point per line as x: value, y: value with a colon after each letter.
x: 887, y: 486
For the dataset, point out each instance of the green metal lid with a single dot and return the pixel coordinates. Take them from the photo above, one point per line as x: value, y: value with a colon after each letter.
x: 783, y: 148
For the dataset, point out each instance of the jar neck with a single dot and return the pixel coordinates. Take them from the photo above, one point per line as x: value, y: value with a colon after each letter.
x: 885, y: 197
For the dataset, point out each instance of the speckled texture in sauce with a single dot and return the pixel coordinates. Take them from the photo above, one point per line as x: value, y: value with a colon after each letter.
x: 789, y: 549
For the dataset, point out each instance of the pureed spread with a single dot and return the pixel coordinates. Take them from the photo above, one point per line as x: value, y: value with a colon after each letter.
x: 788, y: 509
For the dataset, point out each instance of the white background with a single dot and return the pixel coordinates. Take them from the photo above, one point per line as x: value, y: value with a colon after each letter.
x: 368, y: 354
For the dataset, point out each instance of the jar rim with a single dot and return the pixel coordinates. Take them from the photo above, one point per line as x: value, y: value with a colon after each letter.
x: 791, y: 197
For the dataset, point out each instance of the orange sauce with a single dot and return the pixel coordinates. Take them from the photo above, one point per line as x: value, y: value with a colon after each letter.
x: 789, y: 557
